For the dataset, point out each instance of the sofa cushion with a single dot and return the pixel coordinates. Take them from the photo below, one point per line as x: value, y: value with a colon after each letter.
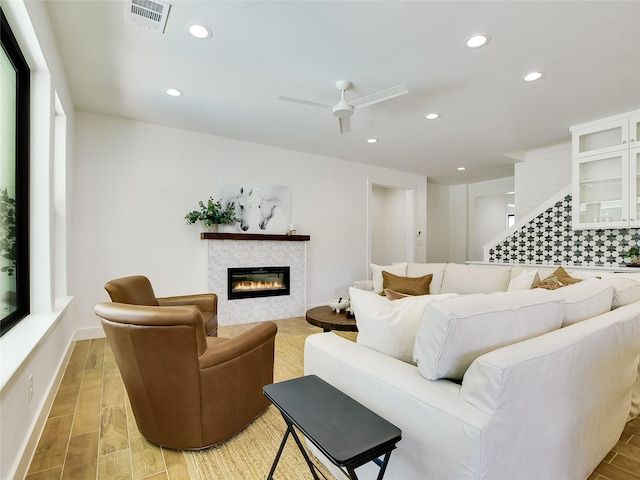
x: 389, y: 326
x: 408, y: 285
x: 422, y: 269
x: 625, y: 290
x: 585, y: 299
x: 454, y: 332
x: 465, y: 279
x: 524, y: 281
x: 399, y: 269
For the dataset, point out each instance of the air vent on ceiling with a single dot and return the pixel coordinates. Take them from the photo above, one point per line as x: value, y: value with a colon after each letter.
x: 151, y: 14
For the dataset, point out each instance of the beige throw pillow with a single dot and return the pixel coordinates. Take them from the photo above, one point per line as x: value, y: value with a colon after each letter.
x: 549, y: 283
x: 407, y: 285
x: 399, y: 269
x: 559, y: 278
x: 393, y: 295
x: 389, y: 326
x: 524, y: 281
x: 564, y: 278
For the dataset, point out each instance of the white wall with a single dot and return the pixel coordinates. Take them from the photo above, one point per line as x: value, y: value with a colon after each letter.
x: 544, y: 172
x: 388, y: 225
x: 437, y: 231
x: 487, y: 213
x: 487, y: 220
x: 135, y: 182
x: 38, y: 345
x: 458, y: 223
x: 470, y: 214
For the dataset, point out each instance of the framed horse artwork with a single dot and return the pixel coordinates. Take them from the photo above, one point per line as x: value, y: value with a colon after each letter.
x: 260, y: 208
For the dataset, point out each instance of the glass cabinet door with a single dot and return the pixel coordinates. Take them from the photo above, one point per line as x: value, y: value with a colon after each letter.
x: 634, y: 132
x: 601, y: 138
x: 601, y: 189
x: 634, y: 186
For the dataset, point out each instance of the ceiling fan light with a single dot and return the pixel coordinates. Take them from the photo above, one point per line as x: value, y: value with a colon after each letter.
x: 477, y: 41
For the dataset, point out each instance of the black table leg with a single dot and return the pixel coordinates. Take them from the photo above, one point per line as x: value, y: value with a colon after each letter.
x: 381, y: 463
x: 291, y: 431
x: 275, y: 461
x: 383, y: 467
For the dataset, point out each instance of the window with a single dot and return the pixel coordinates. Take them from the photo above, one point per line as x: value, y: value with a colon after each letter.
x: 14, y: 181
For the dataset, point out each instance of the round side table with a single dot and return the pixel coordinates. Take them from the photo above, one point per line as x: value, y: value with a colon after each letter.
x: 328, y: 320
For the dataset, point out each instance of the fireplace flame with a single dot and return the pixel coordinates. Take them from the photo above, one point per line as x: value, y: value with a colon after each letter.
x: 259, y: 285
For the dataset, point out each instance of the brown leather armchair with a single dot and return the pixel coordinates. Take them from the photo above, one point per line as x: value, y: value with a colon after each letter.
x: 137, y: 290
x: 187, y: 390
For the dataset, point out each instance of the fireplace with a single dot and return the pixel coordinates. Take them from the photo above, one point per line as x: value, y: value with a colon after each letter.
x: 251, y: 282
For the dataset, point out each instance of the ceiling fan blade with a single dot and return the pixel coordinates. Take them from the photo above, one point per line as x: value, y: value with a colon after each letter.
x: 345, y: 124
x: 380, y: 96
x: 305, y: 102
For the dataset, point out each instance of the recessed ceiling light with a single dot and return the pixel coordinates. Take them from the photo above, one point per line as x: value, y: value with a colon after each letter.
x: 432, y: 116
x: 373, y: 140
x: 478, y: 41
x: 460, y: 169
x: 510, y: 205
x: 174, y: 92
x: 510, y: 193
x: 199, y: 30
x: 533, y: 76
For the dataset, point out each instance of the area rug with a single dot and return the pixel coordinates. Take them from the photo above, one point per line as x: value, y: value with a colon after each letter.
x: 249, y: 454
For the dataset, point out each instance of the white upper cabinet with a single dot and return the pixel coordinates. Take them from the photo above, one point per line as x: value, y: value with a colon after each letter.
x: 607, y: 135
x: 606, y: 165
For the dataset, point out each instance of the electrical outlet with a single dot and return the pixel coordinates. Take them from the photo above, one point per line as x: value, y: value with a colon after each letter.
x: 30, y: 388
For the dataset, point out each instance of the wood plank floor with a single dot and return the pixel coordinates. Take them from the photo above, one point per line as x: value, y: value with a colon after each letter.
x: 89, y: 432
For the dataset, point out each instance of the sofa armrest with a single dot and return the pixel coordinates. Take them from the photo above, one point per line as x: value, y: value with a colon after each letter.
x: 577, y: 379
x: 206, y: 302
x: 363, y: 285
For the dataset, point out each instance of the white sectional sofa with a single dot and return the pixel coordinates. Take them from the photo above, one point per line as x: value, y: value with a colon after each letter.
x: 492, y: 385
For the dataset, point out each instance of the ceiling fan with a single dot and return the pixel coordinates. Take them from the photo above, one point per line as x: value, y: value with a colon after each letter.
x: 343, y: 109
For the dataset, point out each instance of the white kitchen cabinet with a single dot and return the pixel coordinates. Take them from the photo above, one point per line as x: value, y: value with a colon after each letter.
x: 607, y: 135
x: 606, y: 165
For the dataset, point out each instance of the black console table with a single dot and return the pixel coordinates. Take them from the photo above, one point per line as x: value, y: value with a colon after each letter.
x: 345, y: 431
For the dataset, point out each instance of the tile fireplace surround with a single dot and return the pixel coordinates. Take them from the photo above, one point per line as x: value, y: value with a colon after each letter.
x: 226, y: 250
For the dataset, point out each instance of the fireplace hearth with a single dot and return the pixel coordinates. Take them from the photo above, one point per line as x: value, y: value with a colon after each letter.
x: 252, y: 282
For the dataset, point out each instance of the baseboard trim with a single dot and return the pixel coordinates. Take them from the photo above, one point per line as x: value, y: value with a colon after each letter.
x: 88, y: 333
x: 29, y: 449
x: 31, y: 444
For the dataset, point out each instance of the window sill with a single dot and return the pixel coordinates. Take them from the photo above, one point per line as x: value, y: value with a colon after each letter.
x: 18, y: 343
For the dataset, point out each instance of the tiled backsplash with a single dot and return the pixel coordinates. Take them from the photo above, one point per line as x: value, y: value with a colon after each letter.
x: 549, y: 239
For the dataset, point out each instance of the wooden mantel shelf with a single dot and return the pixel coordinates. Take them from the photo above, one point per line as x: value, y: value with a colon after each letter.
x: 254, y: 236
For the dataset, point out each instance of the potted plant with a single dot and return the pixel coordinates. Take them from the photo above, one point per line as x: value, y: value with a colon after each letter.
x: 634, y: 256
x: 213, y: 214
x: 7, y: 232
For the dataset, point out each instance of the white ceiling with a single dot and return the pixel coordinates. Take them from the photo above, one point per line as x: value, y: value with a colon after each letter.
x: 588, y: 50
